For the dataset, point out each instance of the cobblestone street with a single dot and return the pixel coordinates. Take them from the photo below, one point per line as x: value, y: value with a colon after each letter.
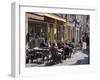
x: 78, y: 58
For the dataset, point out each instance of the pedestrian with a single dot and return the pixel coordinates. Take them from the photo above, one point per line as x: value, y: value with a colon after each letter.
x: 84, y: 46
x: 87, y: 42
x: 70, y: 49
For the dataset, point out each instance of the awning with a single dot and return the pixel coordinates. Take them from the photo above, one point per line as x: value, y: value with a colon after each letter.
x: 34, y: 16
x: 40, y: 16
x: 55, y: 17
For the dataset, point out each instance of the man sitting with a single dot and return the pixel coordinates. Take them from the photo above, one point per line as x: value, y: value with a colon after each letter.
x: 55, y: 56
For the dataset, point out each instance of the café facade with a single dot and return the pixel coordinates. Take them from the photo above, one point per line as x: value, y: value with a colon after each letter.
x: 43, y: 26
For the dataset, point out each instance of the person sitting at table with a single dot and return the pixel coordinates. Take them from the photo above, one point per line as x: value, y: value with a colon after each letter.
x: 28, y: 56
x: 53, y: 51
x: 71, y: 46
x: 56, y: 45
x: 66, y: 51
x: 48, y: 44
x: 42, y: 44
x: 59, y: 44
x: 55, y: 56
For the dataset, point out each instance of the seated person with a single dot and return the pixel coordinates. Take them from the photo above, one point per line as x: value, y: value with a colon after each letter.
x: 66, y: 51
x: 55, y: 56
x: 42, y: 44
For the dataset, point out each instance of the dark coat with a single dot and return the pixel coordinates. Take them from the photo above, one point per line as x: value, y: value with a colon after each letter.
x: 66, y: 51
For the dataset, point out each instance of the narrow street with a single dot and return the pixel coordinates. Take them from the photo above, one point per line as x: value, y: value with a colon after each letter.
x: 78, y: 58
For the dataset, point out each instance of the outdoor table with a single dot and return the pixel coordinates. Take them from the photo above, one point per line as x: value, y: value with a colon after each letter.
x: 61, y: 53
x: 60, y: 50
x: 44, y: 52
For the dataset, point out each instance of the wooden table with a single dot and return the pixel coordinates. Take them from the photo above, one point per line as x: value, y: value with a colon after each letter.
x: 61, y: 53
x: 43, y: 52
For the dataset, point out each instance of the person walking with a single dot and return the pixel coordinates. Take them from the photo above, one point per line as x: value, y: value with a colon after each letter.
x: 87, y: 42
x: 84, y: 46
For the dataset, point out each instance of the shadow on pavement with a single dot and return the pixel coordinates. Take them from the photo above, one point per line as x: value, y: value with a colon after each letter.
x: 83, y: 61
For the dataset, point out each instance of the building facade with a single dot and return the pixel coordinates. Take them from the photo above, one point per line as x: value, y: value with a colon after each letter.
x: 79, y: 25
x: 43, y: 26
x: 54, y: 27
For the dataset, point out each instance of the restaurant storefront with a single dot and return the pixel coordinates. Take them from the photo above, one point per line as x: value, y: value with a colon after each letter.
x: 41, y: 27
